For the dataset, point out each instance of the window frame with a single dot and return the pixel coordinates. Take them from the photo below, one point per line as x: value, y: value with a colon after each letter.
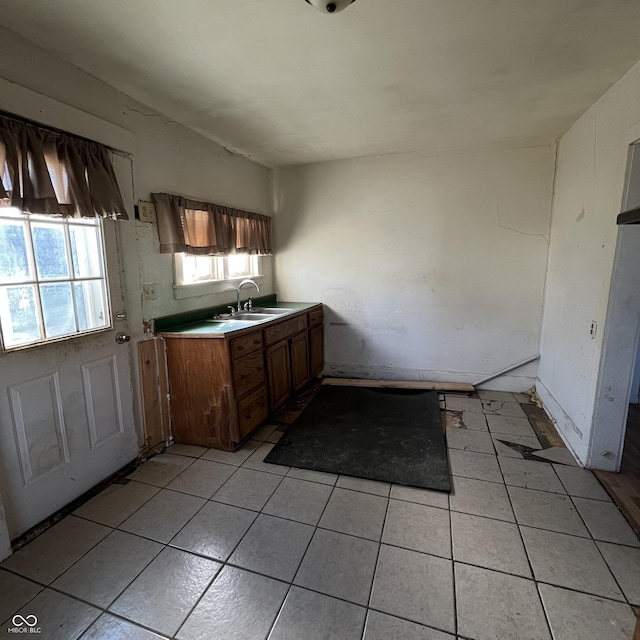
x: 208, y: 286
x: 36, y: 280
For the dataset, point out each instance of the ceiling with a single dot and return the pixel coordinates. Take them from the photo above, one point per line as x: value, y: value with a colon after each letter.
x: 283, y: 84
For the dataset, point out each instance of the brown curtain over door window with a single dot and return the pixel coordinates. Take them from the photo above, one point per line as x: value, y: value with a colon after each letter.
x: 207, y: 229
x: 53, y: 173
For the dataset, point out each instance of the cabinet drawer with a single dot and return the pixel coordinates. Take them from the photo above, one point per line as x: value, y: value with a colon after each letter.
x: 284, y: 330
x: 252, y: 411
x: 316, y: 317
x: 248, y: 372
x: 247, y: 344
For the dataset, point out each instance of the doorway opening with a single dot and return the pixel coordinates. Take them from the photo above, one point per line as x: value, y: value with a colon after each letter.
x: 624, y: 487
x: 615, y: 443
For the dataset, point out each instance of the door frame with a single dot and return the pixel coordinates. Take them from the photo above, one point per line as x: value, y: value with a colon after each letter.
x: 24, y: 102
x: 620, y: 344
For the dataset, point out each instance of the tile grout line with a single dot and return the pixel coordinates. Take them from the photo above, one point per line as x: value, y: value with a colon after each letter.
x: 590, y: 538
x: 169, y: 545
x: 453, y: 568
x: 164, y: 488
x: 316, y: 527
x: 225, y: 563
x: 290, y: 520
x: 606, y: 564
x: 291, y: 584
x: 130, y: 582
x: 376, y: 564
x: 165, y: 545
x: 526, y: 553
x: 48, y: 584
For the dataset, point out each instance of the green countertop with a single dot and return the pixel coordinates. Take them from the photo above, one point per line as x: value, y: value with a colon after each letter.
x: 222, y: 327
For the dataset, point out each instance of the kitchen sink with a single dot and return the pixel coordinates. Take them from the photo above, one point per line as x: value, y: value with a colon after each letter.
x: 222, y: 325
x: 271, y: 311
x: 255, y: 315
x: 250, y: 316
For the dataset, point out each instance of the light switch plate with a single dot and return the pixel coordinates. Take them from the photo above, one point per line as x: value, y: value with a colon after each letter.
x: 150, y: 291
x: 146, y: 211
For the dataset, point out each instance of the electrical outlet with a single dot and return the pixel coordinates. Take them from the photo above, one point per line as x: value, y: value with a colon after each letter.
x: 146, y: 211
x: 150, y: 291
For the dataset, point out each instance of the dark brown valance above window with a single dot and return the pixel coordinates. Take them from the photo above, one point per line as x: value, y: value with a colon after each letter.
x: 54, y: 173
x: 207, y: 229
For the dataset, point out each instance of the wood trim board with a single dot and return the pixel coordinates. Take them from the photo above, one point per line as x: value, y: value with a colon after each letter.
x: 154, y: 390
x: 399, y: 384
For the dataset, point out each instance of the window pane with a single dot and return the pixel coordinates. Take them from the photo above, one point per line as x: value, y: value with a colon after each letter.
x: 57, y: 309
x: 18, y: 315
x: 14, y: 261
x: 238, y: 265
x: 49, y: 245
x: 199, y: 268
x: 90, y: 305
x: 86, y: 252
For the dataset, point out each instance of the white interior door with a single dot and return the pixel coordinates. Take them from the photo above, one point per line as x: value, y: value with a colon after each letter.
x: 66, y: 413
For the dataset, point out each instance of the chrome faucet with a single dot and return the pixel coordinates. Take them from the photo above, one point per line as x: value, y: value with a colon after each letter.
x: 255, y: 284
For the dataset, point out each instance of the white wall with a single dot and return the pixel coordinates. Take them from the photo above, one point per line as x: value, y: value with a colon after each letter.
x: 589, y: 188
x: 431, y: 268
x: 167, y: 157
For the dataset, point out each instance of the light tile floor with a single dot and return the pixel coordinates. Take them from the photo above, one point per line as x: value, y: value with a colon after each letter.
x: 203, y: 544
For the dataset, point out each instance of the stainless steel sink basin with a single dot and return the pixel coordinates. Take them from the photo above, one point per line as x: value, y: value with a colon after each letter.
x: 221, y: 325
x: 250, y: 316
x: 271, y: 311
x: 255, y: 315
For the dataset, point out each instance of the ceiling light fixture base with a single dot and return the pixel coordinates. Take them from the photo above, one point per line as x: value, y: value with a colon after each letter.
x: 323, y: 6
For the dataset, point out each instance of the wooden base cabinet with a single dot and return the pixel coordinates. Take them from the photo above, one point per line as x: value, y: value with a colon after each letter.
x: 316, y: 342
x: 316, y: 350
x: 222, y: 388
x: 278, y: 374
x: 299, y: 352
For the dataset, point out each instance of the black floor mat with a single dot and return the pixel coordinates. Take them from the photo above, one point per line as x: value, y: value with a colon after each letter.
x: 391, y: 435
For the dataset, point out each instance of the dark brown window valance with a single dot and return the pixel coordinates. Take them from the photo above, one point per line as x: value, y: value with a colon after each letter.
x: 207, y: 229
x: 54, y: 173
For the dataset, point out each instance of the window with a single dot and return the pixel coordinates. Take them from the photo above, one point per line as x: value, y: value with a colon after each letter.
x: 200, y: 269
x: 52, y: 278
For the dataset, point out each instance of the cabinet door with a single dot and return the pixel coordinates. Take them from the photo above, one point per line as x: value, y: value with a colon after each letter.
x: 252, y: 411
x: 278, y: 374
x: 300, y: 361
x: 248, y: 373
x: 316, y: 350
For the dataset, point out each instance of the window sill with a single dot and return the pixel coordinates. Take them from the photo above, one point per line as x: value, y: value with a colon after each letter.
x: 182, y: 291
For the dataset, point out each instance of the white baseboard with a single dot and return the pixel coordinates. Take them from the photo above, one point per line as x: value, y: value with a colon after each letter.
x: 515, y: 383
x: 571, y: 435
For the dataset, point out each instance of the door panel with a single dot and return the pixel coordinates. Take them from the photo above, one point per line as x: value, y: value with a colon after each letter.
x: 66, y: 414
x: 316, y: 349
x: 300, y: 361
x: 102, y: 397
x: 39, y: 427
x: 278, y: 374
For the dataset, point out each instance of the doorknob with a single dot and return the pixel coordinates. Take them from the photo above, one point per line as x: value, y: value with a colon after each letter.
x: 121, y: 337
